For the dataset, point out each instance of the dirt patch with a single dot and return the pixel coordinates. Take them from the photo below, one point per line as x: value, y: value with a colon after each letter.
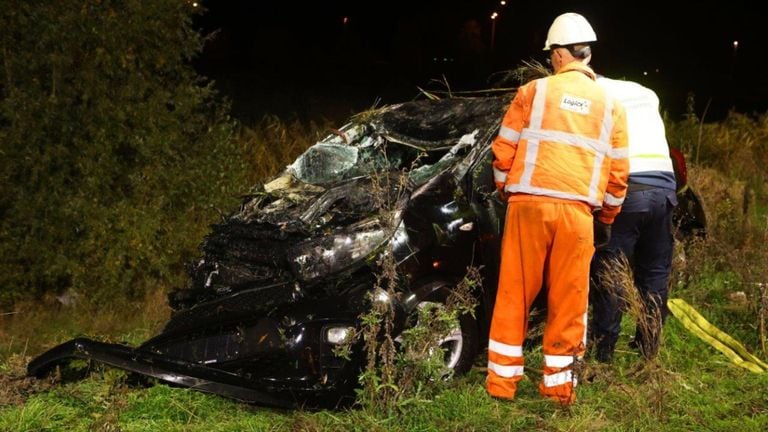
x: 16, y: 386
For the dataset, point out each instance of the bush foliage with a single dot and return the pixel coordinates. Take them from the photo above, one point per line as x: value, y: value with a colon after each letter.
x: 114, y: 152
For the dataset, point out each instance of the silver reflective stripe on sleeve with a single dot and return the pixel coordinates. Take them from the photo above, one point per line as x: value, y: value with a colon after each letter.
x: 509, y: 134
x: 559, y: 378
x: 504, y: 349
x: 499, y: 175
x: 612, y: 200
x: 539, y: 101
x: 532, y: 147
x: 605, y: 138
x: 594, y: 182
x: 505, y: 371
x: 620, y: 153
x: 531, y: 153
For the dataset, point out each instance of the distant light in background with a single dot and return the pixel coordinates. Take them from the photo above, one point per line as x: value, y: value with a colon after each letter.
x: 503, y: 2
x: 493, y: 29
x: 645, y: 73
x: 195, y: 4
x: 345, y: 20
x: 734, y: 65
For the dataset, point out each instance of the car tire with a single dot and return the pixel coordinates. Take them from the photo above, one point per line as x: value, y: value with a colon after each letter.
x: 461, y: 345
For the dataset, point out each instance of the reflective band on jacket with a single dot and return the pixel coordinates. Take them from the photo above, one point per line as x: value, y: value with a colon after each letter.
x: 548, y: 192
x: 559, y: 378
x: 504, y: 349
x: 505, y: 371
x: 569, y: 138
x: 509, y: 134
x: 612, y: 200
x: 621, y: 153
x: 643, y: 163
x: 648, y: 148
x: 534, y: 135
x: 558, y: 361
x: 499, y: 175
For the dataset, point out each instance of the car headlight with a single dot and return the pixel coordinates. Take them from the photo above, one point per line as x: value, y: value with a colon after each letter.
x: 319, y: 257
x: 337, y: 335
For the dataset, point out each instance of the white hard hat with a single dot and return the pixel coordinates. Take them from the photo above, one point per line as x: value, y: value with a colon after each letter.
x: 568, y: 29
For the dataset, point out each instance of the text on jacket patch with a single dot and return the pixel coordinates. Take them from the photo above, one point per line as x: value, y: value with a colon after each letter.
x: 575, y: 104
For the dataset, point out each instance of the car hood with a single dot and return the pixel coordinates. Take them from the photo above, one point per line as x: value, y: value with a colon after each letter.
x: 356, y: 180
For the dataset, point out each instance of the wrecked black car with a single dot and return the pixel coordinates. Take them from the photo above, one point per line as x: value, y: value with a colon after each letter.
x: 284, y: 280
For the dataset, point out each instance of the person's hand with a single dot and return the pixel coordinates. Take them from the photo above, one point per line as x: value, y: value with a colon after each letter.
x: 602, y: 234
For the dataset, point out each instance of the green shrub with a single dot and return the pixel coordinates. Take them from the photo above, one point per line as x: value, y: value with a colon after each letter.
x: 114, y: 152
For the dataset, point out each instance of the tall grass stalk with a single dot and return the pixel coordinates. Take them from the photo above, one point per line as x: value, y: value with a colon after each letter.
x: 618, y: 279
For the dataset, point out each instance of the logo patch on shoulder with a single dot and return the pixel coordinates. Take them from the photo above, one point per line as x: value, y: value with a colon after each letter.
x: 575, y: 104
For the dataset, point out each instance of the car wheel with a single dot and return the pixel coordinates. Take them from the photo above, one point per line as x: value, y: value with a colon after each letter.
x: 460, y: 345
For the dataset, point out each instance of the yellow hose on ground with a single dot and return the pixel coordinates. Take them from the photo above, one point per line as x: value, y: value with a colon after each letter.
x: 721, y: 341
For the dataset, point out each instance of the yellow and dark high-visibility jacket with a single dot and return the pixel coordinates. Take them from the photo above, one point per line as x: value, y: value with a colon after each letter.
x: 649, y: 159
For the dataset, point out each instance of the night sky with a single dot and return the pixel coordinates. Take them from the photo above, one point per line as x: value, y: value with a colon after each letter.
x: 331, y: 58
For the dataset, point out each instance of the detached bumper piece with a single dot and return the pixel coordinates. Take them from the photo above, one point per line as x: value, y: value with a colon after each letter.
x: 169, y: 370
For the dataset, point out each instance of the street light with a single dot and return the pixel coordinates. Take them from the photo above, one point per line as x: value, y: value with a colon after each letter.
x: 733, y: 72
x: 493, y: 29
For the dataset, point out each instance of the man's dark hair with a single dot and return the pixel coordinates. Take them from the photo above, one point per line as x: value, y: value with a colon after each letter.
x: 579, y: 51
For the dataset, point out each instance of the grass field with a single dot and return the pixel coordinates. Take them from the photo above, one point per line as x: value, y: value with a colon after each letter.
x: 690, y: 388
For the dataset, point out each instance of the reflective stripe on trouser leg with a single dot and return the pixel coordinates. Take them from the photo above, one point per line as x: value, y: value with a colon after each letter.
x: 567, y: 274
x: 523, y: 253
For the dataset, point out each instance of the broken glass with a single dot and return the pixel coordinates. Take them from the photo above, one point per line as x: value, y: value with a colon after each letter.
x: 324, y: 163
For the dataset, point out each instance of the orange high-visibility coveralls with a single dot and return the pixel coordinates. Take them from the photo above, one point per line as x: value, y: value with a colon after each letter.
x: 561, y: 153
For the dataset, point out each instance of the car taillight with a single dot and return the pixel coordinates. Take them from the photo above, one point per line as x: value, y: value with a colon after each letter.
x: 681, y: 171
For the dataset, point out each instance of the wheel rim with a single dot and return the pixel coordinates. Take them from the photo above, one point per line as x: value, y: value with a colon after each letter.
x: 452, y: 346
x: 452, y: 343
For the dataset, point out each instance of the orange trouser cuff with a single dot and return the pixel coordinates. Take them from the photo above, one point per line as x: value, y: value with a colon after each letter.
x: 500, y: 387
x: 563, y: 394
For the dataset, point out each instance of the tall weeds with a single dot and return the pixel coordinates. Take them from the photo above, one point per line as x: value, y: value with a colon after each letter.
x: 730, y: 266
x: 409, y: 366
x: 272, y: 143
x: 618, y: 279
x: 406, y: 364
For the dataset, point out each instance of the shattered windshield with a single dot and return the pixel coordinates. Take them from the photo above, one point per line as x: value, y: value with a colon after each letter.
x: 422, y: 138
x: 325, y: 163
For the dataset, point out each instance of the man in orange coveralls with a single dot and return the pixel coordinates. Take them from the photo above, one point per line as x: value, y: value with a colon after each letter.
x: 561, y: 154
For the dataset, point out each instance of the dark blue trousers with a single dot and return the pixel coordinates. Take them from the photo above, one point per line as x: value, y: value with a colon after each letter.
x: 642, y: 232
